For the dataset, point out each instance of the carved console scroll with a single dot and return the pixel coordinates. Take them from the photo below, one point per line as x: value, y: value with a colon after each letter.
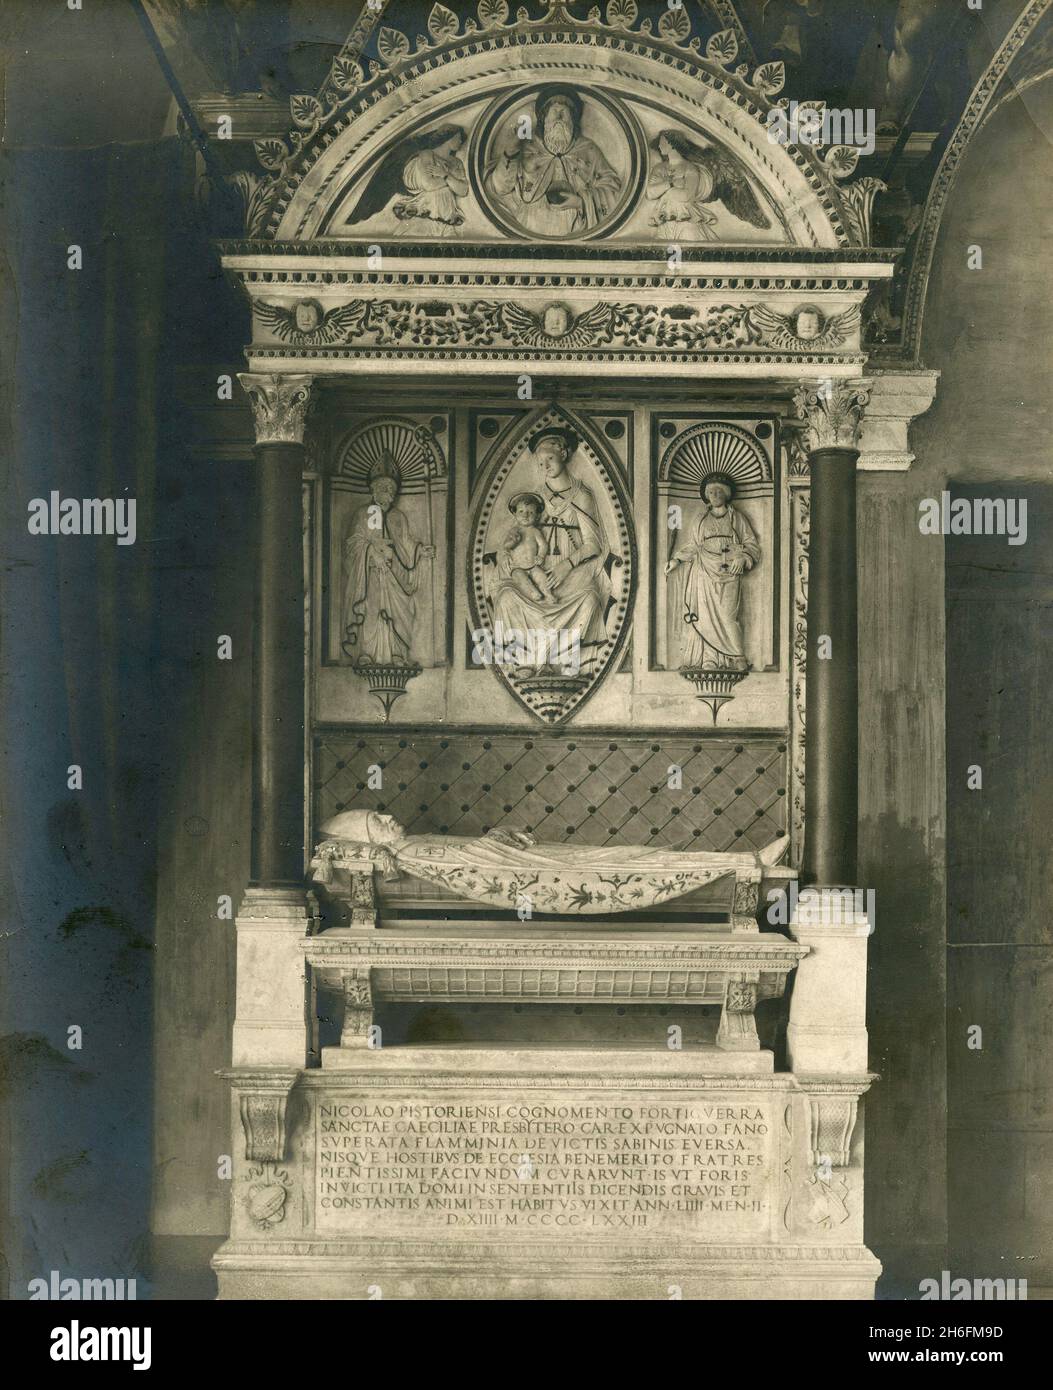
x: 737, y: 1030
x: 363, y: 899
x: 745, y: 905
x: 262, y: 1101
x: 833, y: 1119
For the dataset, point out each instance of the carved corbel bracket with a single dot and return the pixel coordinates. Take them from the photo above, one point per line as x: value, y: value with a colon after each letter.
x: 262, y: 1102
x: 737, y: 1030
x: 745, y: 904
x: 358, y: 1008
x: 832, y: 1121
x: 363, y: 898
x: 833, y: 1108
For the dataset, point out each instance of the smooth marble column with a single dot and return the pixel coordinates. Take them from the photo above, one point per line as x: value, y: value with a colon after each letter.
x: 279, y: 407
x: 832, y: 411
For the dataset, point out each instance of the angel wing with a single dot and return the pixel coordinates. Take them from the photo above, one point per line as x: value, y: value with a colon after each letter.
x: 281, y: 322
x: 337, y: 324
x: 333, y: 328
x: 730, y: 186
x: 837, y: 328
x: 589, y: 328
x: 386, y: 183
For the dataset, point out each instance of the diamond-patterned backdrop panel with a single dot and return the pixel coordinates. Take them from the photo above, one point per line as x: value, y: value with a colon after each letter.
x: 593, y: 790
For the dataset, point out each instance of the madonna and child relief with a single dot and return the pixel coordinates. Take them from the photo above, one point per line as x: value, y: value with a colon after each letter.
x: 551, y: 571
x: 550, y: 563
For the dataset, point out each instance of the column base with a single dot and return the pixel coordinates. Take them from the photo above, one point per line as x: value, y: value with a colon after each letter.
x: 826, y: 1034
x: 275, y: 1021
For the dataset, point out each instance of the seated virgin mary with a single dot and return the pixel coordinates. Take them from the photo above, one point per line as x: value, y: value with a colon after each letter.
x: 509, y: 867
x: 575, y: 552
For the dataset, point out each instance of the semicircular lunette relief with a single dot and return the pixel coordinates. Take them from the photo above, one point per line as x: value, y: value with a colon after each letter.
x: 551, y: 566
x: 558, y: 162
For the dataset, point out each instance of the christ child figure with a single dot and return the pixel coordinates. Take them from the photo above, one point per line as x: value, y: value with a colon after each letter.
x: 525, y: 548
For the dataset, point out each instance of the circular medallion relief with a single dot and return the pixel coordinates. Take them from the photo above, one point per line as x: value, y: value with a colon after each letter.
x: 557, y: 162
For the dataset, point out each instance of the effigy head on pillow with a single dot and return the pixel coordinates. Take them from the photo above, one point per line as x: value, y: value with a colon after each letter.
x: 364, y: 828
x: 357, y: 836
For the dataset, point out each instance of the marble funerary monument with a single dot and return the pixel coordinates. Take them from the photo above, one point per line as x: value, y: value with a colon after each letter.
x: 559, y: 398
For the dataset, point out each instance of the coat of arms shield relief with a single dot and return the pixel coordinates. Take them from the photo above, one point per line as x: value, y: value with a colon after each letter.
x: 551, y: 565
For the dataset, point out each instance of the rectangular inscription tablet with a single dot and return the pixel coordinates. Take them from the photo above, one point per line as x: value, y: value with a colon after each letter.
x: 694, y: 1168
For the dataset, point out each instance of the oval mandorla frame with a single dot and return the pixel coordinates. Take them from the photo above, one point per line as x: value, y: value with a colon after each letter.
x: 553, y: 695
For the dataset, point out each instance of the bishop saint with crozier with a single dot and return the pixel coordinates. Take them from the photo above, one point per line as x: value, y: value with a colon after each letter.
x: 382, y: 569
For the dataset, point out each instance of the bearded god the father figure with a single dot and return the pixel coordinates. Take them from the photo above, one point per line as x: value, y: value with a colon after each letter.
x: 557, y: 182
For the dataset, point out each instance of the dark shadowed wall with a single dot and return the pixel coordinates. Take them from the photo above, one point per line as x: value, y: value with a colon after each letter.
x: 956, y: 1138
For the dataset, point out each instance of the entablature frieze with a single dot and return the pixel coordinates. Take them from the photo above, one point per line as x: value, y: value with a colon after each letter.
x: 746, y: 317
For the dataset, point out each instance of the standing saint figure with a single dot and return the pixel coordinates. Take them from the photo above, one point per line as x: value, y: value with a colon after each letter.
x: 381, y: 575
x: 573, y: 555
x: 723, y: 548
x: 558, y: 182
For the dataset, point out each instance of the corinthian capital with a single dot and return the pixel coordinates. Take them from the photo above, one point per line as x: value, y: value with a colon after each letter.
x: 279, y: 405
x: 832, y: 411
